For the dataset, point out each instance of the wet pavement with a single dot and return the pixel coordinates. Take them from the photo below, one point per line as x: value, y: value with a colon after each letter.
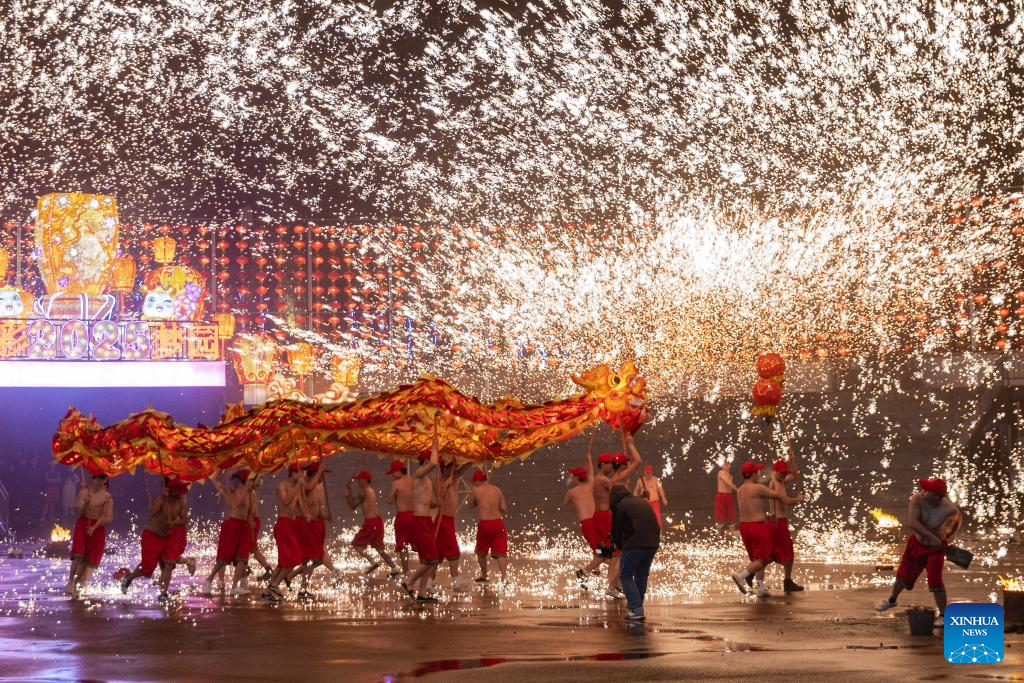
x: 541, y: 624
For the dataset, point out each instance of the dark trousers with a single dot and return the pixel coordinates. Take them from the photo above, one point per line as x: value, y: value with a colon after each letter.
x: 634, y: 566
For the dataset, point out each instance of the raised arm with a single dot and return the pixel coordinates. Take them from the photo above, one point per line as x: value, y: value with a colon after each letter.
x: 634, y: 462
x: 310, y: 484
x: 590, y: 456
x: 353, y: 498
x: 83, y: 498
x: 218, y: 485
x: 427, y: 467
x: 780, y: 495
x: 287, y: 493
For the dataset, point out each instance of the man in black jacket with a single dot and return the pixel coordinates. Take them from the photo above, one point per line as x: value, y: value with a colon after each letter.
x: 635, y: 531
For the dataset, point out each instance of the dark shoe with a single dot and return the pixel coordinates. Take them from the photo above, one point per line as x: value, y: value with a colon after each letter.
x: 265, y: 576
x: 394, y: 574
x: 407, y: 590
x: 373, y: 567
x: 163, y: 597
x: 126, y: 583
x: 425, y: 598
x: 481, y: 579
x: 269, y: 596
x: 305, y: 595
x: 791, y: 586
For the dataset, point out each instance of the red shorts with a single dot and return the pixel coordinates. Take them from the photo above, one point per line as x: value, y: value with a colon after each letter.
x: 447, y: 543
x: 656, y: 506
x: 289, y: 552
x: 311, y: 537
x: 587, y: 529
x: 153, y: 550
x: 371, y: 533
x: 423, y: 539
x: 235, y: 540
x: 782, y: 542
x: 603, y: 529
x: 917, y: 558
x: 176, y: 542
x: 725, y: 507
x: 404, y: 530
x: 758, y: 539
x: 491, y: 536
x: 89, y: 548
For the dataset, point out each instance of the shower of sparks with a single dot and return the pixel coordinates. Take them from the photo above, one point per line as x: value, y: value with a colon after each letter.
x: 686, y: 183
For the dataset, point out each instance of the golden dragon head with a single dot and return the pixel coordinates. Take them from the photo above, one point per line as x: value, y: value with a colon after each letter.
x: 623, y: 394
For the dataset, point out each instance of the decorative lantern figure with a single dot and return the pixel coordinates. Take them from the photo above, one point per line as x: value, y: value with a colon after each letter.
x: 163, y: 249
x: 300, y: 358
x: 345, y: 370
x: 76, y: 235
x: 122, y: 275
x: 771, y: 366
x: 253, y: 356
x: 767, y: 393
x: 5, y: 260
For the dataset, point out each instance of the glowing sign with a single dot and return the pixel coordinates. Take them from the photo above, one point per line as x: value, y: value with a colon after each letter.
x: 103, y: 340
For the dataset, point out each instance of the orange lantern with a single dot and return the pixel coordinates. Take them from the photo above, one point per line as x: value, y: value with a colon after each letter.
x: 225, y: 326
x: 163, y: 249
x: 5, y: 260
x: 300, y: 358
x: 771, y: 366
x: 345, y: 370
x: 122, y: 275
x: 253, y: 356
x: 767, y: 393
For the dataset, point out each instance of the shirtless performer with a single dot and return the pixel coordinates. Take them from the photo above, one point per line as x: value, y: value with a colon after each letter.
x: 311, y: 528
x: 491, y: 535
x: 757, y: 532
x: 423, y: 526
x: 581, y: 496
x: 614, y: 469
x: 235, y: 540
x: 371, y: 533
x: 179, y: 532
x: 444, y: 528
x: 289, y: 551
x: 400, y: 496
x: 158, y: 546
x: 777, y: 510
x: 256, y: 525
x: 96, y: 510
x: 649, y: 488
x: 725, y: 498
x: 933, y: 518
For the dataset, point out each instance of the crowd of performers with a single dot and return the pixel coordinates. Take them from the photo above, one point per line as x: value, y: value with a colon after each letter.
x: 621, y: 526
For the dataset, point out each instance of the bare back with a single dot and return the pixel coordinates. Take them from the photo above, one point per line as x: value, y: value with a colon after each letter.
x: 751, y: 497
x: 488, y: 500
x: 401, y: 494
x: 237, y: 502
x: 582, y: 498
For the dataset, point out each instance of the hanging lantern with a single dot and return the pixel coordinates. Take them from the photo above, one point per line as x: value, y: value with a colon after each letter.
x: 163, y: 249
x: 771, y: 366
x: 122, y: 275
x: 345, y: 369
x: 253, y: 356
x: 225, y: 325
x: 300, y: 358
x: 767, y: 393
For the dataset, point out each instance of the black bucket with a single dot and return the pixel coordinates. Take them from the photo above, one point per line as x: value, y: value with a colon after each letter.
x: 921, y: 620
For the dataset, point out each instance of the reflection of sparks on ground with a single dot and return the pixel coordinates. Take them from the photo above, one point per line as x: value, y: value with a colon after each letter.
x: 1012, y: 584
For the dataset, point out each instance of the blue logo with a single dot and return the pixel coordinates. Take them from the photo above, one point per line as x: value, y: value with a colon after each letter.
x: 973, y: 633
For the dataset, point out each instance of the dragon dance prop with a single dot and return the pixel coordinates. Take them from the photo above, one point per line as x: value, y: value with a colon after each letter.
x: 398, y: 423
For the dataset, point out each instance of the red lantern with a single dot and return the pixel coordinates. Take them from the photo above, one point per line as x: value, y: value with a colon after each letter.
x: 771, y: 366
x: 767, y: 393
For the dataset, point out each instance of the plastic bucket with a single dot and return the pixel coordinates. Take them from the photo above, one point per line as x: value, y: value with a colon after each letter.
x: 921, y: 620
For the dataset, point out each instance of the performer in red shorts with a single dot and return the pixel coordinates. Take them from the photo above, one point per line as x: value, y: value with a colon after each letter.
x: 423, y: 527
x: 235, y: 539
x: 613, y: 468
x: 289, y: 552
x: 371, y: 533
x: 255, y: 524
x: 783, y: 540
x: 725, y: 500
x: 755, y: 529
x: 933, y: 518
x: 158, y: 547
x: 581, y: 496
x: 96, y: 509
x: 311, y: 529
x: 444, y: 527
x: 401, y: 497
x: 491, y: 536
